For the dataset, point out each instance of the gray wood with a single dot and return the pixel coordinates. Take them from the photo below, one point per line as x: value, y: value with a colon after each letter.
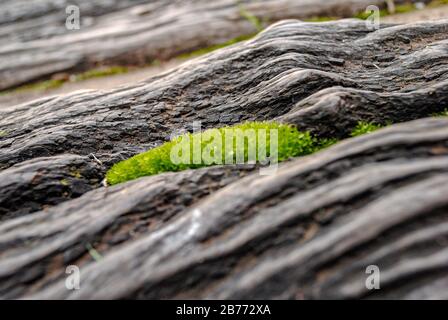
x: 34, y: 42
x: 309, y: 231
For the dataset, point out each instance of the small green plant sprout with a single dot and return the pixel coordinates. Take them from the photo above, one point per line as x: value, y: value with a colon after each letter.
x: 246, y: 143
x: 364, y: 128
x: 93, y: 252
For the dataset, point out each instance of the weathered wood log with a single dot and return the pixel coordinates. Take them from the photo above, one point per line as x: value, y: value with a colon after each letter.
x: 308, y: 231
x: 34, y: 42
x: 32, y: 185
x: 318, y: 76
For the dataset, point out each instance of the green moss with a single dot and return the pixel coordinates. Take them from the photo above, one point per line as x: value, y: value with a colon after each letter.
x: 320, y: 19
x: 365, y: 127
x: 56, y: 83
x: 37, y: 86
x: 291, y: 143
x: 326, y: 142
x: 436, y: 3
x: 405, y: 8
x: 101, y: 72
x: 3, y: 133
x: 202, y: 51
x: 76, y: 174
x: 441, y: 114
x: 212, y: 142
x: 399, y: 9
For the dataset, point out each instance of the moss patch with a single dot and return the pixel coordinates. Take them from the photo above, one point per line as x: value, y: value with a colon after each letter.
x: 364, y: 128
x: 56, y: 83
x: 291, y: 143
x: 320, y: 19
x: 218, y: 146
x: 101, y: 72
x: 441, y: 114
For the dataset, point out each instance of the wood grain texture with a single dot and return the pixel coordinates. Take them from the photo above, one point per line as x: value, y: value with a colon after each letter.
x: 309, y: 231
x: 34, y: 42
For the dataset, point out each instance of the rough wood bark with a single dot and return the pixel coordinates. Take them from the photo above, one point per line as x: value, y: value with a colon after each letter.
x: 310, y: 231
x: 318, y: 76
x: 34, y: 42
x: 225, y: 232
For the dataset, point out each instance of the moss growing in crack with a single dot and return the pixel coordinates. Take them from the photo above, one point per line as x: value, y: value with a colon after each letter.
x: 291, y: 143
x: 3, y: 133
x: 365, y: 127
x: 441, y: 114
x: 325, y: 143
x: 227, y: 145
x: 56, y: 83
